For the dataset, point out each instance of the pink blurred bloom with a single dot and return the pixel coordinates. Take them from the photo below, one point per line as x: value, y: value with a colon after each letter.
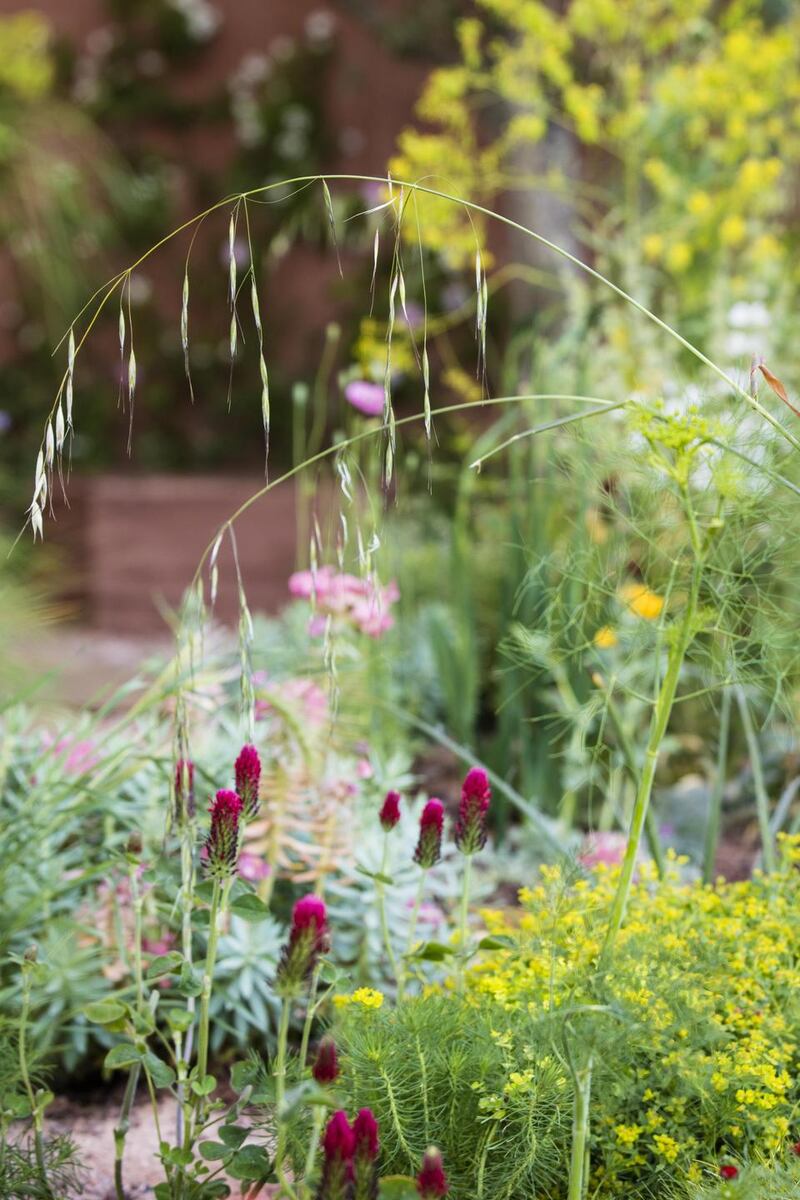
x: 363, y: 602
x: 367, y: 397
x: 80, y: 756
x: 607, y: 848
x: 253, y: 867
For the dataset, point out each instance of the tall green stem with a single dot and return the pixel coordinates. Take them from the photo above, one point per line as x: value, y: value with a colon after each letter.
x: 464, y: 920
x: 715, y: 801
x: 580, y: 1133
x: 762, y: 799
x: 123, y: 1125
x: 280, y: 1094
x: 36, y: 1107
x: 310, y: 1014
x: 412, y: 932
x: 208, y: 975
x: 658, y: 728
x: 380, y: 895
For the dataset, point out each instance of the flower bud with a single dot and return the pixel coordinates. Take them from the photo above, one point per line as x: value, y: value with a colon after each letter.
x: 326, y: 1065
x: 248, y: 776
x: 390, y: 812
x: 308, y: 938
x: 476, y: 795
x: 338, y: 1144
x: 728, y: 1172
x: 134, y: 846
x: 365, y: 1156
x: 222, y: 843
x: 184, y: 790
x: 429, y: 845
x: 432, y: 1181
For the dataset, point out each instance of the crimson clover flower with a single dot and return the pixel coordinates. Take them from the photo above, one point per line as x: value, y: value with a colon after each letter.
x: 222, y: 843
x: 326, y: 1064
x: 429, y: 845
x: 184, y: 789
x: 728, y: 1172
x: 365, y: 1156
x: 308, y: 938
x: 476, y: 795
x: 338, y: 1146
x: 247, y: 770
x: 432, y: 1181
x: 390, y: 811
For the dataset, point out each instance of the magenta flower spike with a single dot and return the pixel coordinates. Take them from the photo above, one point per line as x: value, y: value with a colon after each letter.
x: 365, y: 1156
x: 429, y: 844
x: 338, y: 1145
x: 476, y: 795
x: 432, y: 1182
x: 308, y: 938
x: 248, y: 776
x: 390, y: 811
x: 326, y: 1065
x: 222, y: 843
x: 184, y: 790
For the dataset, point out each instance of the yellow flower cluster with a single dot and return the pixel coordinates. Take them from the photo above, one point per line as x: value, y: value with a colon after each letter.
x: 364, y: 996
x: 707, y: 982
x: 700, y: 105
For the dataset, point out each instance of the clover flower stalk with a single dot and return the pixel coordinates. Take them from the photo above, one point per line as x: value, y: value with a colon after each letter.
x: 338, y: 1147
x: 365, y: 1156
x: 133, y: 857
x: 427, y: 854
x: 221, y: 854
x: 324, y: 1072
x: 389, y: 818
x: 476, y: 796
x: 35, y: 1099
x: 308, y: 939
x: 184, y: 808
x: 432, y: 1181
x: 247, y: 770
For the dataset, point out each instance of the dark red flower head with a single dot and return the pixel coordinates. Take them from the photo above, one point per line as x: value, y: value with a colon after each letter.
x: 308, y: 938
x: 326, y: 1064
x: 338, y: 1145
x: 728, y: 1172
x: 222, y: 843
x: 247, y: 769
x: 476, y: 795
x: 184, y: 789
x: 429, y: 845
x: 432, y: 1181
x: 365, y: 1156
x: 796, y: 1149
x: 390, y: 812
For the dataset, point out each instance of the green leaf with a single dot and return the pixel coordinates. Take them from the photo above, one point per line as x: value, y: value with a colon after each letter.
x: 496, y: 942
x: 191, y: 981
x: 243, y: 1074
x: 205, y: 1086
x: 378, y: 876
x: 179, y: 1019
x: 250, y: 908
x: 124, y: 1054
x: 232, y: 1135
x: 105, y: 1012
x: 165, y: 964
x: 431, y: 952
x: 211, y: 1151
x: 204, y: 891
x: 397, y: 1187
x: 251, y: 1162
x: 160, y: 1072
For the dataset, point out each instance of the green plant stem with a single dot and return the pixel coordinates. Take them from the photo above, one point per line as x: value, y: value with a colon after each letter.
x: 187, y: 901
x: 310, y: 1014
x: 629, y: 758
x: 658, y: 728
x: 121, y: 1129
x: 380, y: 896
x: 136, y: 899
x: 464, y: 921
x: 715, y: 801
x: 280, y: 1093
x: 36, y: 1108
x: 762, y: 799
x: 313, y: 1143
x: 412, y: 932
x: 580, y: 1133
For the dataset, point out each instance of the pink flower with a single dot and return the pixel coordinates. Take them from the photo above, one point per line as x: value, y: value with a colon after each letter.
x: 222, y: 843
x: 362, y: 603
x: 79, y: 756
x: 253, y: 867
x: 728, y: 1172
x: 432, y: 1181
x: 431, y: 825
x: 326, y: 1064
x: 248, y: 775
x: 390, y: 811
x: 338, y: 1146
x: 364, y: 768
x: 607, y: 848
x: 476, y: 795
x: 367, y: 397
x: 365, y: 1156
x: 308, y: 938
